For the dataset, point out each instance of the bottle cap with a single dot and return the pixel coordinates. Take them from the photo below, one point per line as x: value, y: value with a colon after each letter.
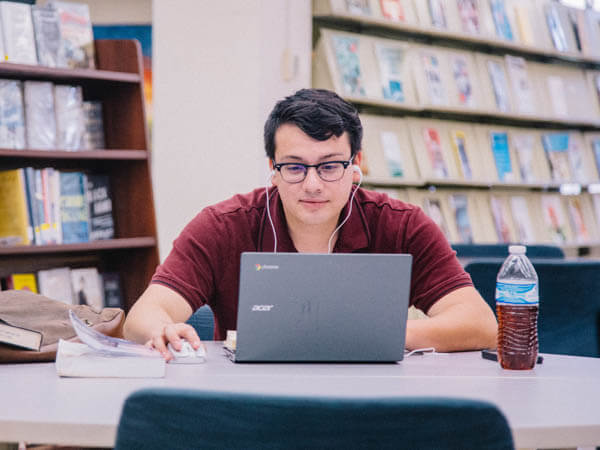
x: 517, y: 249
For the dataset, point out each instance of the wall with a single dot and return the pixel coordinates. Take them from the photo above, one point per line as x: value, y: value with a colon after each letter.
x: 130, y: 12
x: 217, y: 74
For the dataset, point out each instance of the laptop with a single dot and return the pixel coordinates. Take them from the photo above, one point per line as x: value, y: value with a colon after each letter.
x: 322, y: 307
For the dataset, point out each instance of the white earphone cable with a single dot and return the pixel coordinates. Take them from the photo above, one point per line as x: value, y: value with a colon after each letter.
x: 269, y: 212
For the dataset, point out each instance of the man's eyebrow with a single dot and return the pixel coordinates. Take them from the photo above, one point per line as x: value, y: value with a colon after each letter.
x: 324, y: 157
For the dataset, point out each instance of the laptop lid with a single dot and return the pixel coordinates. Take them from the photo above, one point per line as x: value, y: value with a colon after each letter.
x: 322, y: 307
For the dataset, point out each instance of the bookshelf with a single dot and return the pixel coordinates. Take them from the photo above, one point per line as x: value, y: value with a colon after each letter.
x: 348, y: 37
x: 118, y: 84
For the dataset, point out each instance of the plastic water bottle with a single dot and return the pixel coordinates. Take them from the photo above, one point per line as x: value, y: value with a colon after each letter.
x: 517, y: 304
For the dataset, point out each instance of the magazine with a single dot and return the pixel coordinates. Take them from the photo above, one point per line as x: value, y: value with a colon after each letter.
x: 556, y: 147
x: 500, y: 215
x: 358, y: 7
x: 523, y: 145
x: 500, y: 85
x: 521, y: 86
x: 392, y: 10
x: 433, y: 77
x: 437, y: 13
x: 392, y: 153
x: 391, y: 61
x: 433, y: 209
x: 554, y: 26
x: 577, y: 220
x: 558, y: 98
x: 520, y: 213
x: 434, y: 151
x: 596, y: 151
x: 501, y: 23
x: 459, y: 204
x: 346, y: 54
x: 459, y: 146
x: 460, y: 71
x: 575, y: 153
x: 469, y: 15
x: 501, y: 153
x: 554, y: 218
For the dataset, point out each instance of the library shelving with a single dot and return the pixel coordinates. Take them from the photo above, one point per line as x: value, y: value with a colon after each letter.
x: 117, y: 82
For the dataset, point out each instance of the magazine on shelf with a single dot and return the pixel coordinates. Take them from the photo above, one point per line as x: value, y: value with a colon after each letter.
x: 393, y: 10
x: 500, y: 213
x: 462, y: 79
x: 576, y: 22
x: 433, y: 209
x: 459, y: 206
x: 576, y: 159
x: 501, y: 22
x: 554, y: 218
x: 12, y: 115
x: 596, y: 205
x: 46, y: 24
x: 501, y: 153
x: 468, y: 10
x: 556, y: 148
x: 558, y: 98
x: 87, y: 288
x: 577, y: 219
x: 93, y: 126
x: 437, y: 13
x: 17, y: 28
x: 14, y: 215
x: 100, y: 208
x: 520, y: 213
x: 499, y: 85
x: 524, y: 149
x: 358, y: 7
x: 523, y: 22
x: 596, y: 151
x: 56, y: 284
x: 433, y: 77
x: 392, y: 60
x: 346, y: 55
x: 39, y: 115
x: 521, y: 86
x: 68, y: 104
x: 459, y: 143
x: 557, y: 33
x: 392, y: 153
x: 433, y: 146
x: 77, y: 39
x: 74, y: 210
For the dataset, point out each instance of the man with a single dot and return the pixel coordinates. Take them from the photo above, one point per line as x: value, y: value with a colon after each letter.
x: 313, y: 141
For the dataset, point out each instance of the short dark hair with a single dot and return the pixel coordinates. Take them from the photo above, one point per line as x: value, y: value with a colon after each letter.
x: 317, y: 112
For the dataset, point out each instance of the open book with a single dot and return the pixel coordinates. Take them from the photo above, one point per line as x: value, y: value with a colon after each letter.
x: 105, y: 356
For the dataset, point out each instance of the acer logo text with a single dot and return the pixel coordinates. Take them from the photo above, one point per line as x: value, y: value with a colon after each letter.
x: 262, y: 307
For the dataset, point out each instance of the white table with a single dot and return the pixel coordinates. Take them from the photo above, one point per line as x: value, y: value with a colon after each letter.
x: 555, y: 405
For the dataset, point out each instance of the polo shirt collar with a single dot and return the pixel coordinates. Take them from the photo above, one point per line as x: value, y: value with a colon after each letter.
x: 353, y: 236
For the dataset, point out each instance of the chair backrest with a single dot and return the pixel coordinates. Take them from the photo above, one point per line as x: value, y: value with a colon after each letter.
x: 501, y: 251
x: 160, y: 418
x: 569, y: 315
x: 203, y: 322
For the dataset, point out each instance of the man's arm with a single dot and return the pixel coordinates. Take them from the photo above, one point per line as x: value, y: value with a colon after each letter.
x: 157, y: 319
x: 460, y: 320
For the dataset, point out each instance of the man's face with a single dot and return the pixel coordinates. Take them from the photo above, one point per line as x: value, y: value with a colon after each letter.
x: 312, y: 201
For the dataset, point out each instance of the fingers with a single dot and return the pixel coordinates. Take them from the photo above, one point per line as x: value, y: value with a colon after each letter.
x: 173, y: 333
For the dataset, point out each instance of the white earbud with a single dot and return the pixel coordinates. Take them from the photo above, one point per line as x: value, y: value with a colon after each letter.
x: 356, y: 169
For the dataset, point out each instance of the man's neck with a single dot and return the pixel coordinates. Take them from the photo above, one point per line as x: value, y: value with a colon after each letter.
x: 312, y: 238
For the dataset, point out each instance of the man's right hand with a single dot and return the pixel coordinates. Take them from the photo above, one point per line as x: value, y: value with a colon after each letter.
x: 173, y: 333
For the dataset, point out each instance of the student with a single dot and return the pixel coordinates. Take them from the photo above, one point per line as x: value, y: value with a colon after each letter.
x: 313, y: 142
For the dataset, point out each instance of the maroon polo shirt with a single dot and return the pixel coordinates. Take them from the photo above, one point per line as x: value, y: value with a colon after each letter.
x: 204, y: 264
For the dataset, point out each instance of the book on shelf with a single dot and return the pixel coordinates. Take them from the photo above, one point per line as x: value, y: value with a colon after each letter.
x: 577, y: 161
x: 501, y: 153
x: 500, y: 214
x: 393, y: 10
x: 432, y: 206
x: 459, y: 144
x: 554, y: 218
x: 87, y: 287
x: 40, y: 203
x: 523, y: 143
x: 468, y: 11
x: 523, y: 223
x: 462, y: 79
x: 100, y: 356
x: 111, y: 285
x: 432, y: 70
x: 558, y: 98
x: 17, y: 30
x: 15, y: 227
x: 51, y: 194
x: 499, y: 84
x: 577, y: 24
x: 358, y: 7
x: 12, y: 117
x: 392, y: 153
x: 77, y: 39
x: 577, y: 220
x: 521, y: 84
x: 73, y: 207
x: 40, y: 124
x: 46, y: 25
x: 556, y: 148
x: 346, y: 55
x: 19, y: 336
x: 68, y: 104
x: 433, y: 146
x: 93, y: 126
x: 56, y: 284
x: 100, y: 207
x: 437, y: 13
x: 392, y: 62
x: 501, y: 22
x: 460, y: 209
x: 22, y: 282
x: 524, y: 25
x: 557, y: 33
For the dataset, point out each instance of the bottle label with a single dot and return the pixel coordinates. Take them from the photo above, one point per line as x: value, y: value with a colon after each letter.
x: 517, y: 293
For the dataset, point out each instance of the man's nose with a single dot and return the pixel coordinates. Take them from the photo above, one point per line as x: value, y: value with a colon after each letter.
x: 312, y: 180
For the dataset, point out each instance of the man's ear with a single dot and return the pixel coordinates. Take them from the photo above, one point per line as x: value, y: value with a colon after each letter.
x: 272, y: 173
x: 357, y: 160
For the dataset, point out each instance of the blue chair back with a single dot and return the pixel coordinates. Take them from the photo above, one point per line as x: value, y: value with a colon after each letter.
x: 162, y: 418
x: 501, y: 251
x: 569, y: 315
x: 203, y: 322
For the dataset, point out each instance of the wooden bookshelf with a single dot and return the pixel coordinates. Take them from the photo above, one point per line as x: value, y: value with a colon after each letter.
x: 118, y: 84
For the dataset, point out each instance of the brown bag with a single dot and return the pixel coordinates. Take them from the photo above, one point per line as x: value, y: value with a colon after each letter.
x: 50, y: 317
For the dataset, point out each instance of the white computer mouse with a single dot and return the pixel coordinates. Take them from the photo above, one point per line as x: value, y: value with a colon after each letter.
x: 187, y: 354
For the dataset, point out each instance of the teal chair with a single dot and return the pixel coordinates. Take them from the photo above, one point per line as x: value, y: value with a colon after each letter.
x: 162, y: 418
x: 501, y: 251
x: 203, y: 322
x: 569, y: 315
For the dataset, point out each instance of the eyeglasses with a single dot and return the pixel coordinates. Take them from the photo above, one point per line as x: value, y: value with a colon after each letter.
x: 327, y: 171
